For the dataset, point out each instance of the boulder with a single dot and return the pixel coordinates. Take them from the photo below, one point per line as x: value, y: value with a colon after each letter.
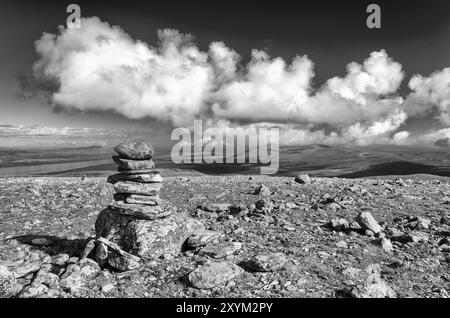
x: 127, y: 164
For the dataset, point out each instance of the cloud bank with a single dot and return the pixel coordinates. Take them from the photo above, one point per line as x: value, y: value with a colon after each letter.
x: 100, y: 67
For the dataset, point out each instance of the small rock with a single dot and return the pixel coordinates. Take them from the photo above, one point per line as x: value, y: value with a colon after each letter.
x: 26, y: 270
x: 135, y: 150
x: 214, y: 274
x: 366, y: 220
x: 108, y: 288
x: 90, y: 245
x: 262, y: 190
x: 60, y: 259
x: 267, y: 262
x: 9, y: 286
x: 41, y: 241
x: 202, y: 238
x: 122, y: 263
x: 220, y: 250
x: 339, y: 224
x: 342, y: 244
x: 33, y: 291
x: 385, y: 244
x: 303, y: 179
x: 351, y: 272
x: 355, y: 226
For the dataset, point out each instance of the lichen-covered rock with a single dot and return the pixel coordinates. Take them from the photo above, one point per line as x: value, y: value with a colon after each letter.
x: 127, y: 164
x: 138, y: 199
x: 8, y: 284
x: 76, y: 275
x: 147, y: 238
x: 214, y: 274
x: 135, y: 149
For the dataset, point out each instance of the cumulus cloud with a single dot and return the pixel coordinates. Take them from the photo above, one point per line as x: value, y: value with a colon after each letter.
x: 431, y: 95
x: 100, y: 67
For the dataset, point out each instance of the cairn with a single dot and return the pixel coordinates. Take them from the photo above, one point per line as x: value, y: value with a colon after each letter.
x: 138, y: 225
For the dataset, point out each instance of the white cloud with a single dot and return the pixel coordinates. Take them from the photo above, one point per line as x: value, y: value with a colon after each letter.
x: 100, y: 67
x: 431, y: 94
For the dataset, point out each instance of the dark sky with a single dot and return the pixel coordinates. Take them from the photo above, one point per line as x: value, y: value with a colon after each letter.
x: 331, y: 33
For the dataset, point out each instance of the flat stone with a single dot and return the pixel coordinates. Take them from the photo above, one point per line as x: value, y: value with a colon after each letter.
x: 138, y: 199
x: 267, y: 262
x: 214, y: 274
x: 144, y: 212
x: 215, y: 207
x: 147, y: 238
x: 367, y: 222
x: 339, y: 224
x: 220, y: 250
x: 202, y: 238
x: 122, y: 263
x: 60, y: 259
x: 139, y: 171
x: 142, y: 178
x: 41, y: 241
x: 412, y: 237
x: 128, y: 164
x: 101, y: 253
x: 26, y: 269
x: 137, y: 188
x: 135, y: 149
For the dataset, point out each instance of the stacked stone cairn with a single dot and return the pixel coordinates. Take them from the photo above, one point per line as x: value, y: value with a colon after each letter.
x: 138, y: 225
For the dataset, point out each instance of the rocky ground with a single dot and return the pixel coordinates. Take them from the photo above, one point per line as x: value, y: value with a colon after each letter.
x: 269, y: 237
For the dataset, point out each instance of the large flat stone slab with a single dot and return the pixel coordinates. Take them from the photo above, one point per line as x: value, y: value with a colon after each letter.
x: 129, y: 164
x: 143, y: 178
x: 137, y: 188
